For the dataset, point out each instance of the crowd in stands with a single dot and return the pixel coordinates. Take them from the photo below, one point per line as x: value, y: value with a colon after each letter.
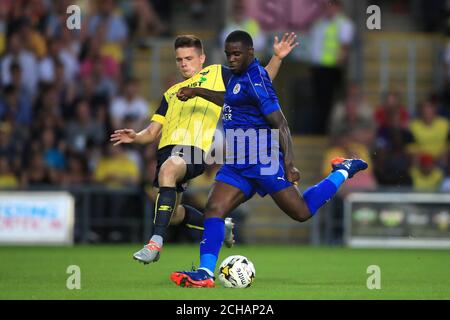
x: 405, y: 150
x: 64, y: 91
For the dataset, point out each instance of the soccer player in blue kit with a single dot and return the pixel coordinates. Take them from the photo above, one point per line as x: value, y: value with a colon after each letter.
x: 251, y: 104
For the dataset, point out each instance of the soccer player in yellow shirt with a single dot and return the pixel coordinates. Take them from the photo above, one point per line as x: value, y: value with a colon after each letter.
x: 186, y: 128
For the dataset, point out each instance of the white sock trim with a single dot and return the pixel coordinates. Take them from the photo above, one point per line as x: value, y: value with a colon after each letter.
x: 208, y: 271
x: 343, y: 172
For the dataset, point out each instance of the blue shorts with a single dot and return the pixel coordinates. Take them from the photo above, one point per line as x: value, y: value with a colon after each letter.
x: 250, y: 180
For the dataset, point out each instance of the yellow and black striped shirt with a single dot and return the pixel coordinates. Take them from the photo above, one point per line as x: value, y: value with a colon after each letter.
x: 191, y: 122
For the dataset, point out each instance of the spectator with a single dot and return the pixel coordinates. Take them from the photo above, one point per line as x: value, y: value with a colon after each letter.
x: 110, y: 30
x: 8, y: 179
x: 84, y: 130
x: 27, y: 61
x: 37, y: 174
x: 66, y: 91
x: 130, y: 105
x: 430, y: 132
x: 331, y: 37
x: 77, y: 173
x: 391, y: 108
x: 354, y: 114
x: 15, y: 108
x: 17, y: 82
x: 116, y: 28
x: 392, y: 160
x: 94, y: 56
x: 143, y: 20
x: 240, y: 20
x: 33, y: 39
x: 87, y: 91
x: 8, y: 149
x: 115, y: 169
x: 426, y: 176
x: 57, y: 55
x: 53, y: 151
x: 105, y: 86
x: 48, y: 108
x: 56, y: 18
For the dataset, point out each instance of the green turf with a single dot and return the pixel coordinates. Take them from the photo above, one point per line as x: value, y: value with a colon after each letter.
x: 282, y: 272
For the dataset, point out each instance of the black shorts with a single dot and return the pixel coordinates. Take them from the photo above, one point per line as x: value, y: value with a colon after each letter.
x: 193, y: 156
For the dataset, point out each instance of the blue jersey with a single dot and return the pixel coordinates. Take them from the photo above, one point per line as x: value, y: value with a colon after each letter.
x: 249, y: 97
x: 254, y: 163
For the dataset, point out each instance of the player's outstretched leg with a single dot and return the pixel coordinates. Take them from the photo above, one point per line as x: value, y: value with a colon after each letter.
x: 342, y: 169
x: 303, y: 208
x: 223, y: 199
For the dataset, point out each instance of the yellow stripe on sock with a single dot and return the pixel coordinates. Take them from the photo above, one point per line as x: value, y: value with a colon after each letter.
x: 194, y: 227
x: 156, y: 208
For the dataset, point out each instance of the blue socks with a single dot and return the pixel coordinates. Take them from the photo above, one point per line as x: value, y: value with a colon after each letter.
x: 316, y: 196
x: 212, y: 239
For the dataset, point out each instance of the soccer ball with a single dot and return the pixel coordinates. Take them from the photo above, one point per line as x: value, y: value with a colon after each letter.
x: 236, y: 272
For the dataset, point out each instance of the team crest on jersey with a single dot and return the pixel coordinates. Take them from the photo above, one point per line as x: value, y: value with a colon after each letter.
x: 237, y: 88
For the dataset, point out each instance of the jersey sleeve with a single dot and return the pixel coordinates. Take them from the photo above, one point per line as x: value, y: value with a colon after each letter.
x: 226, y: 75
x: 263, y: 92
x: 160, y: 114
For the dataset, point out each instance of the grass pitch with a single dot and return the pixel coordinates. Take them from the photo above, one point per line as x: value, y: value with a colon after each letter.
x: 282, y: 272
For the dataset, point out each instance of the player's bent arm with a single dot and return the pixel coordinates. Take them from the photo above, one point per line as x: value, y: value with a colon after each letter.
x: 149, y: 134
x: 277, y: 121
x: 216, y: 97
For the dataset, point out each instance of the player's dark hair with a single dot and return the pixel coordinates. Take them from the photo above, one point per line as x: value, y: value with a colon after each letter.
x: 240, y: 36
x: 189, y: 41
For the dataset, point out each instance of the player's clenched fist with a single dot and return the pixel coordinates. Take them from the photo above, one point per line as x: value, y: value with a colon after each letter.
x: 186, y: 93
x: 123, y: 136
